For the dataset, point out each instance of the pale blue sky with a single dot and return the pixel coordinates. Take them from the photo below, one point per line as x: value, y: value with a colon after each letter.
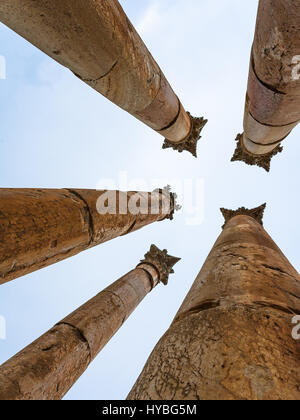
x: 56, y: 132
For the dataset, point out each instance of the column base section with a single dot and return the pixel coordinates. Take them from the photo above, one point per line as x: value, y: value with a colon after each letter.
x: 263, y: 161
x: 189, y: 144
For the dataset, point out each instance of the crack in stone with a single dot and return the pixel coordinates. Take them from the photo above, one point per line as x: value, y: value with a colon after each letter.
x: 90, y: 222
x: 266, y: 85
x: 130, y: 229
x: 174, y: 120
x: 79, y: 334
x: 98, y: 78
x: 213, y: 304
x: 41, y: 263
x: 204, y: 306
x: 280, y: 308
x: 269, y: 267
x: 48, y: 348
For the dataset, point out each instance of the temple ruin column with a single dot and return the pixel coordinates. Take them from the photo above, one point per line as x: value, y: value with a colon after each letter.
x: 40, y: 227
x: 97, y: 42
x: 273, y: 97
x: 49, y: 367
x: 232, y: 337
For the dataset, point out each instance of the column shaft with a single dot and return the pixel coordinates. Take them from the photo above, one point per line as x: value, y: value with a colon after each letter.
x: 273, y: 97
x: 232, y: 337
x: 97, y: 42
x: 42, y: 227
x: 49, y: 367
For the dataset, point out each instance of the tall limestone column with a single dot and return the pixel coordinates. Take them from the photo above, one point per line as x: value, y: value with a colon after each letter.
x: 97, y: 42
x: 49, y: 367
x: 273, y: 98
x: 42, y: 227
x: 232, y: 337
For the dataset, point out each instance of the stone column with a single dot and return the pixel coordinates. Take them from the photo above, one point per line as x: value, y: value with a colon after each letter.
x: 273, y: 98
x: 49, y: 367
x: 232, y: 337
x: 42, y: 227
x: 97, y: 42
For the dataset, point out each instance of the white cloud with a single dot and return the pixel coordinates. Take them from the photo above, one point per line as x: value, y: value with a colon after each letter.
x: 150, y: 20
x: 49, y: 72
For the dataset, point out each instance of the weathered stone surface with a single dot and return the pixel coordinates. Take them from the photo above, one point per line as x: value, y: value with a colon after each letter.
x: 223, y: 354
x: 46, y: 369
x: 276, y: 43
x: 264, y: 136
x: 273, y: 93
x: 97, y: 42
x: 232, y: 337
x: 41, y: 227
x: 270, y: 107
x: 100, y: 318
x: 164, y: 106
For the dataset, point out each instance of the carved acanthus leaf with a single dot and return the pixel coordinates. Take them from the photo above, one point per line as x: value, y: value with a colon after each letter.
x: 173, y: 200
x: 163, y: 262
x: 263, y: 161
x: 256, y: 213
x: 190, y: 143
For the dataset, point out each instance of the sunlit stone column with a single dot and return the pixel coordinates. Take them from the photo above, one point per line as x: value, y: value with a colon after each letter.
x: 232, y: 337
x: 273, y: 98
x: 42, y: 227
x: 47, y: 369
x: 97, y: 42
